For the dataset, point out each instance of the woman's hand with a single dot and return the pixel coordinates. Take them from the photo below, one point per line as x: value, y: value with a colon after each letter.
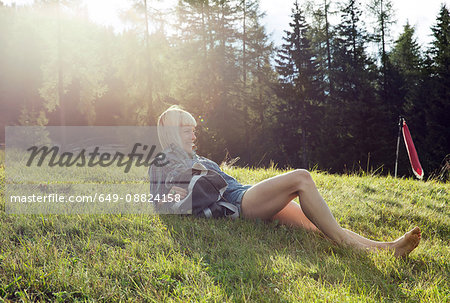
x: 175, y: 190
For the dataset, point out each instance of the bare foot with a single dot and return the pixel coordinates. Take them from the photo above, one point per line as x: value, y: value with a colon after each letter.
x: 404, y: 245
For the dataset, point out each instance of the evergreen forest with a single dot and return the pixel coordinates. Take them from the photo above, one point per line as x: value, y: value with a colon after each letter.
x: 329, y: 97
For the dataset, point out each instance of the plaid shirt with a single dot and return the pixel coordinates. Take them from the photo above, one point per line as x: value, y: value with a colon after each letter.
x: 161, y: 178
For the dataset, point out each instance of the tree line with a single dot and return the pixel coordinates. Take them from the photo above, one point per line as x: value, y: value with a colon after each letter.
x: 322, y: 99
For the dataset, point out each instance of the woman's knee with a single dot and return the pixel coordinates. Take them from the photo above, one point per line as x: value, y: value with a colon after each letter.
x: 303, y: 178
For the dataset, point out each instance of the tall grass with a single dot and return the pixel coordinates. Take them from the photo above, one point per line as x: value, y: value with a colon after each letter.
x: 166, y: 258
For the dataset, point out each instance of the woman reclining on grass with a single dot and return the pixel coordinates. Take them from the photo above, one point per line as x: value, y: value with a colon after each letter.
x: 271, y: 199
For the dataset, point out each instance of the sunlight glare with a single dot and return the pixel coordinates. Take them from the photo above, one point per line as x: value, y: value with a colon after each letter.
x: 106, y: 12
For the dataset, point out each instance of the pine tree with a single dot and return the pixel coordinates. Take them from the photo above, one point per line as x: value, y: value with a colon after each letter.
x: 257, y: 97
x: 436, y: 92
x: 149, y: 63
x: 404, y: 81
x: 208, y: 52
x: 406, y: 60
x: 383, y: 12
x: 355, y: 111
x: 298, y: 89
x: 321, y: 35
x: 73, y: 78
x: 21, y: 56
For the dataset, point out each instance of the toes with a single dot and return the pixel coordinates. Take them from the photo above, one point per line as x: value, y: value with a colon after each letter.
x: 416, y: 241
x: 415, y: 231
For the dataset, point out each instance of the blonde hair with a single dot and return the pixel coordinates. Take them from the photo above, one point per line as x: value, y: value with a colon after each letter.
x: 169, y: 123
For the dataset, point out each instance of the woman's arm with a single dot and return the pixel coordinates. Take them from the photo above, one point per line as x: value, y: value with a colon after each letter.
x: 161, y: 178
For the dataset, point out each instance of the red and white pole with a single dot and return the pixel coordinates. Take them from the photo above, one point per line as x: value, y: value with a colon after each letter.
x: 412, y: 153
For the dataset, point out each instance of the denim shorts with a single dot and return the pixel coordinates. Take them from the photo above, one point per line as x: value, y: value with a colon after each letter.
x: 235, y: 195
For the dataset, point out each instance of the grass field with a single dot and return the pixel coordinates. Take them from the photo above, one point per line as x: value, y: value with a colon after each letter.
x: 137, y: 258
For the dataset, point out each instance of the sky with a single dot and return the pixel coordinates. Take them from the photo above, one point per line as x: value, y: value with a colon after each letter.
x: 420, y: 13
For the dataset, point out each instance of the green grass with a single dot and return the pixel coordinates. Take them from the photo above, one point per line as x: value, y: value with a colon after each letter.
x: 168, y: 258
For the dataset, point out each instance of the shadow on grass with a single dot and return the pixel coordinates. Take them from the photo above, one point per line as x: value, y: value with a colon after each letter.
x: 265, y: 262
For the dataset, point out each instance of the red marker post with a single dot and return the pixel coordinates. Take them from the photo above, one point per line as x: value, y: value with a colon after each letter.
x: 412, y: 153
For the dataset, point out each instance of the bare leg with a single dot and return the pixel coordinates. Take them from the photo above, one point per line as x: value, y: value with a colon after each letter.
x: 293, y: 215
x: 368, y: 242
x: 269, y: 197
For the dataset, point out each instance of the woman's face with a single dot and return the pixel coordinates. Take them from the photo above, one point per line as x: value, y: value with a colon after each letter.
x: 187, y: 134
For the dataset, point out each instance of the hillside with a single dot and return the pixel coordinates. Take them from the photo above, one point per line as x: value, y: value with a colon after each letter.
x: 173, y: 258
